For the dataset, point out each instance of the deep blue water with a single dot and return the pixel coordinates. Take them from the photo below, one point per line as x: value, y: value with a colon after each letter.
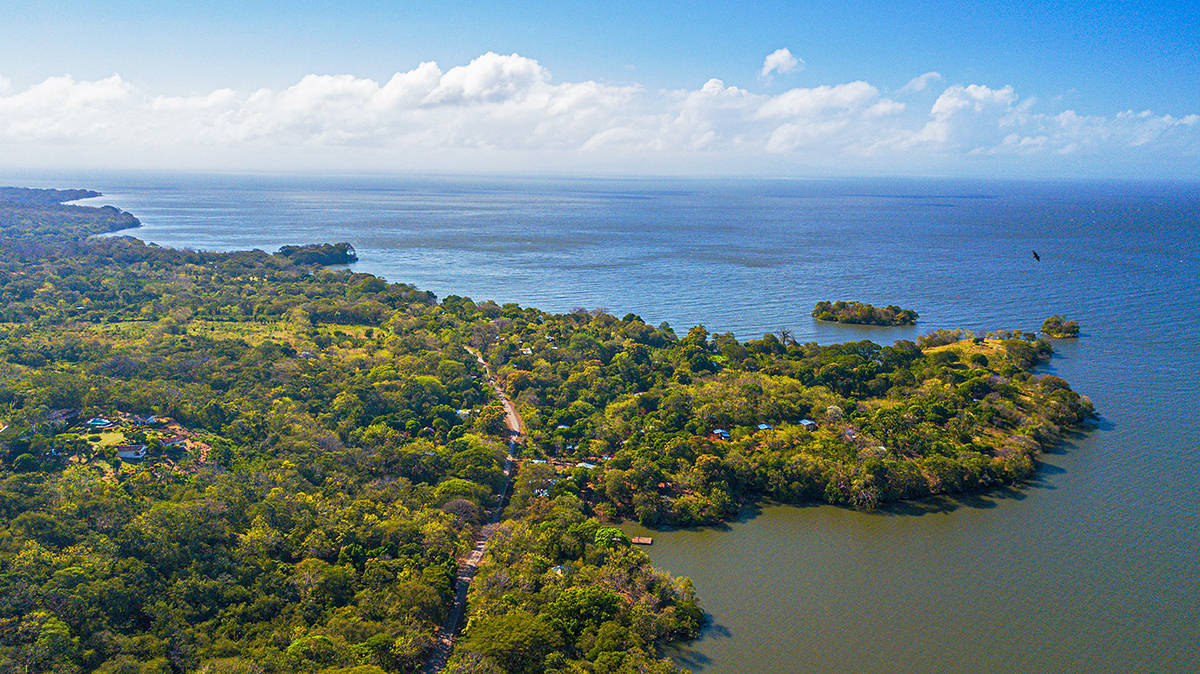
x: 1096, y: 565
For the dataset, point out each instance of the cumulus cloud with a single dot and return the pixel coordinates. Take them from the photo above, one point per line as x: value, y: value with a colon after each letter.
x: 976, y: 120
x: 921, y: 82
x: 779, y: 61
x: 507, y: 111
x: 808, y: 102
x: 63, y: 108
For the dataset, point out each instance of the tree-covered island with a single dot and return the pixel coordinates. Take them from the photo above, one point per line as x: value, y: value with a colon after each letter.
x: 320, y: 253
x: 1057, y: 327
x: 244, y: 462
x: 861, y: 313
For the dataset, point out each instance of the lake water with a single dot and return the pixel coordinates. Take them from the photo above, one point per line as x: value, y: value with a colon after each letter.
x: 1094, y: 566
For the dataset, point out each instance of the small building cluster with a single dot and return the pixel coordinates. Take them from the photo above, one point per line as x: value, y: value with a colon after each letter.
x: 171, y: 435
x: 719, y: 435
x: 722, y: 435
x: 131, y: 452
x: 99, y: 424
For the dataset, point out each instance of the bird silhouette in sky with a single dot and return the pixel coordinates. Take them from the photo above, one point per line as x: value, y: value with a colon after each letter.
x: 1036, y: 256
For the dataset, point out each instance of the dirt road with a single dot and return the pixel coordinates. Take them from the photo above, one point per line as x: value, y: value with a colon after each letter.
x: 511, y: 418
x: 469, y: 565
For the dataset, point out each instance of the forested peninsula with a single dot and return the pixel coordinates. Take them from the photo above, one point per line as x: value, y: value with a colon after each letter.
x: 246, y: 462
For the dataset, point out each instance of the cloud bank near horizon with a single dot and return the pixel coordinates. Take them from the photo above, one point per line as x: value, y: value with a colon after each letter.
x: 503, y: 109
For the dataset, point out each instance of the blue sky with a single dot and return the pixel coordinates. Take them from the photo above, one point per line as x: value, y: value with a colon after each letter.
x: 1097, y: 61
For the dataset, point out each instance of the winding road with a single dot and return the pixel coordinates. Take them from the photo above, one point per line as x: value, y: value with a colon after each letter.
x: 470, y: 564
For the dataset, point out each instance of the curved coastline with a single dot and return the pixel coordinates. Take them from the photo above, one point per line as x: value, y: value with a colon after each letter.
x: 715, y: 348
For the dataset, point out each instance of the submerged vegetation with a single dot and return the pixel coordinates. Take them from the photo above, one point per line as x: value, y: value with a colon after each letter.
x: 318, y: 450
x: 861, y: 313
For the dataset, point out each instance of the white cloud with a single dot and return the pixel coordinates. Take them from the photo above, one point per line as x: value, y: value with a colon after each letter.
x: 779, y: 61
x: 976, y: 120
x: 61, y: 108
x: 976, y: 97
x: 221, y: 98
x: 490, y: 77
x: 506, y: 111
x: 885, y: 108
x: 819, y: 100
x: 921, y: 82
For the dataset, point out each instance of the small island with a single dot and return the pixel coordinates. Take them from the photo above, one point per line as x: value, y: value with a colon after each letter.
x: 1056, y: 327
x: 320, y: 253
x: 861, y: 313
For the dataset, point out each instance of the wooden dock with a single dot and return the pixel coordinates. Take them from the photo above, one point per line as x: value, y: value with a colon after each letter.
x: 642, y: 540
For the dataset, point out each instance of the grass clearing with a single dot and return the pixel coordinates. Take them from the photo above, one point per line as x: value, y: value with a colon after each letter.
x: 108, y: 438
x: 967, y: 348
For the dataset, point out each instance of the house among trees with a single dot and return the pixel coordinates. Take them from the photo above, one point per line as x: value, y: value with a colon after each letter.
x: 151, y: 420
x: 99, y: 423
x: 174, y: 441
x: 719, y: 435
x: 62, y: 417
x: 765, y: 427
x: 131, y: 452
x: 808, y: 424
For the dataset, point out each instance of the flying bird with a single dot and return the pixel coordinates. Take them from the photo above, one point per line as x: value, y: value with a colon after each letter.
x: 1036, y: 256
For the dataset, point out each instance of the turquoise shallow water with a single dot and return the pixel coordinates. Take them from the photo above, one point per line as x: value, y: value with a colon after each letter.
x: 1094, y: 566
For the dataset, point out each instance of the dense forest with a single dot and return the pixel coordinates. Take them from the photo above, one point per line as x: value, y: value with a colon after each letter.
x: 861, y: 313
x: 245, y: 462
x: 320, y: 254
